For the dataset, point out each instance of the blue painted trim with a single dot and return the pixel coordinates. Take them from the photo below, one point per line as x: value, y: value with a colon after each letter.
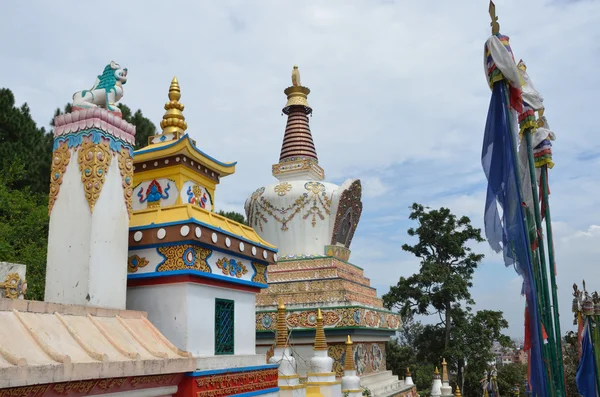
x: 75, y: 139
x: 258, y: 392
x: 232, y: 370
x: 186, y: 136
x: 201, y: 244
x: 171, y: 273
x: 206, y: 225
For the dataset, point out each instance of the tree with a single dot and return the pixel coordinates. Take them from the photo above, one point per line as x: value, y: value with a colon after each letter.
x: 234, y: 216
x: 21, y: 142
x: 571, y: 361
x: 447, y: 265
x: 441, y: 288
x: 511, y: 376
x: 23, y: 227
x: 144, y: 128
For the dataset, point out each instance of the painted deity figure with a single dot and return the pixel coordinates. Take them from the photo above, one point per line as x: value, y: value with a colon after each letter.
x: 154, y: 194
x: 106, y: 91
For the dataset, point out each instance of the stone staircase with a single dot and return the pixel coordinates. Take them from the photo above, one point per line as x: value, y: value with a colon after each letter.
x: 383, y: 384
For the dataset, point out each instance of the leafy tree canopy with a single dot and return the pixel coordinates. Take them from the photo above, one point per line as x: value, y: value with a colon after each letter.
x: 234, y: 216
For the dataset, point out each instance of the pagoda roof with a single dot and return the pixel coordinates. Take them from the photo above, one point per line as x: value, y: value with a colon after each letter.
x: 185, y: 146
x: 154, y: 217
x: 43, y: 342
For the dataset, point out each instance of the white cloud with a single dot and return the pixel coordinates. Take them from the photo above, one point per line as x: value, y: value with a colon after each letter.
x: 398, y: 92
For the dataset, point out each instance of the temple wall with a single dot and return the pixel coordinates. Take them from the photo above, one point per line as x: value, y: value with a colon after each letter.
x: 185, y: 314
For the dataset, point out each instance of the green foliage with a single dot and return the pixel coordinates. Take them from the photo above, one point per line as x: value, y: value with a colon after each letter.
x: 144, y: 128
x: 23, y: 227
x: 571, y: 361
x: 511, y: 376
x: 441, y: 288
x: 21, y: 142
x: 234, y: 216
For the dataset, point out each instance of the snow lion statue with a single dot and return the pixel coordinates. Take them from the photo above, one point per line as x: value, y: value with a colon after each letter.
x: 107, y: 90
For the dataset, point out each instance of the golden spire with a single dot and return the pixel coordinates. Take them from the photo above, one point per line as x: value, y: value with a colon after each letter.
x: 349, y: 360
x: 437, y: 371
x: 173, y: 121
x: 282, y: 333
x: 296, y: 94
x: 320, y: 341
x: 457, y: 392
x: 444, y: 370
x: 494, y: 24
x: 408, y: 372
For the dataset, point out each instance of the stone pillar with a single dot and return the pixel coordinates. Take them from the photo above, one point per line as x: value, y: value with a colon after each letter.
x: 350, y: 381
x: 321, y: 365
x: 289, y: 380
x: 90, y: 205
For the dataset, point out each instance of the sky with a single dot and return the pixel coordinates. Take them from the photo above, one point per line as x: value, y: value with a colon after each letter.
x: 399, y: 97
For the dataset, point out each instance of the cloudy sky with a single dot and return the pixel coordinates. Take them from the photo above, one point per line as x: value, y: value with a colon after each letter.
x: 398, y: 91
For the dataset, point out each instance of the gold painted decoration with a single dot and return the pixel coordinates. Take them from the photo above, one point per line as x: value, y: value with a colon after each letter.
x: 315, y: 202
x: 184, y: 257
x: 13, y: 286
x: 126, y: 168
x: 60, y: 160
x: 367, y: 357
x: 282, y: 188
x: 94, y: 160
x: 260, y: 275
x: 134, y: 262
x: 232, y: 267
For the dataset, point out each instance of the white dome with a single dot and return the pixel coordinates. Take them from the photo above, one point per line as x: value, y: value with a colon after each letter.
x: 299, y: 217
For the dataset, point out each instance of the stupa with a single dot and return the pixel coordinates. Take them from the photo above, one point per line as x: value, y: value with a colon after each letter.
x: 312, y: 223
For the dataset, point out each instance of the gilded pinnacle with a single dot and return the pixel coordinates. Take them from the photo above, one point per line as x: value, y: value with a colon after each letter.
x: 173, y: 121
x: 457, y: 392
x: 320, y: 341
x: 437, y: 371
x: 282, y: 333
x: 444, y: 370
x: 408, y: 372
x: 349, y: 359
x: 494, y: 24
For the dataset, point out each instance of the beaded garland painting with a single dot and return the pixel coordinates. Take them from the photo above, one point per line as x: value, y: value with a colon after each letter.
x: 314, y: 203
x: 356, y: 316
x: 60, y: 160
x: 184, y: 257
x: 368, y: 357
x: 94, y: 160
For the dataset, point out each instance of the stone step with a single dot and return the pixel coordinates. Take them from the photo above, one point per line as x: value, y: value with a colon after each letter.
x: 375, y: 377
x: 385, y: 388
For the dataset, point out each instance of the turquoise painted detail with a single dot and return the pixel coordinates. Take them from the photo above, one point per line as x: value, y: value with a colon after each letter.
x: 75, y: 139
x: 224, y: 321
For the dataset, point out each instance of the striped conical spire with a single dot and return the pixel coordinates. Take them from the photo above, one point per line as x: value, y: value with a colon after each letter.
x: 282, y: 333
x: 349, y: 359
x: 320, y: 340
x: 298, y: 157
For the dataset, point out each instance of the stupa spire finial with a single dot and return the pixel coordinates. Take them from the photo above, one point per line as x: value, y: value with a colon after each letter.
x: 320, y: 341
x: 281, y: 325
x: 494, y: 24
x: 349, y: 360
x: 173, y: 121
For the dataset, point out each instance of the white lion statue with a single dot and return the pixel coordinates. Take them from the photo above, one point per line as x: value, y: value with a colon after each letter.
x: 107, y: 90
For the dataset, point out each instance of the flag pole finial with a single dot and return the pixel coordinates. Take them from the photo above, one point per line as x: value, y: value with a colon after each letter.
x: 494, y: 24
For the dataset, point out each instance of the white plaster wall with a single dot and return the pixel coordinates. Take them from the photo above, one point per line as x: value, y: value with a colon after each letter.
x: 185, y: 314
x: 67, y: 271
x: 167, y: 309
x: 109, y: 243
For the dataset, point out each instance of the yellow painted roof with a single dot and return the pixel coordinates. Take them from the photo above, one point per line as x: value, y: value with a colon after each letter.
x: 178, y: 213
x: 184, y: 146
